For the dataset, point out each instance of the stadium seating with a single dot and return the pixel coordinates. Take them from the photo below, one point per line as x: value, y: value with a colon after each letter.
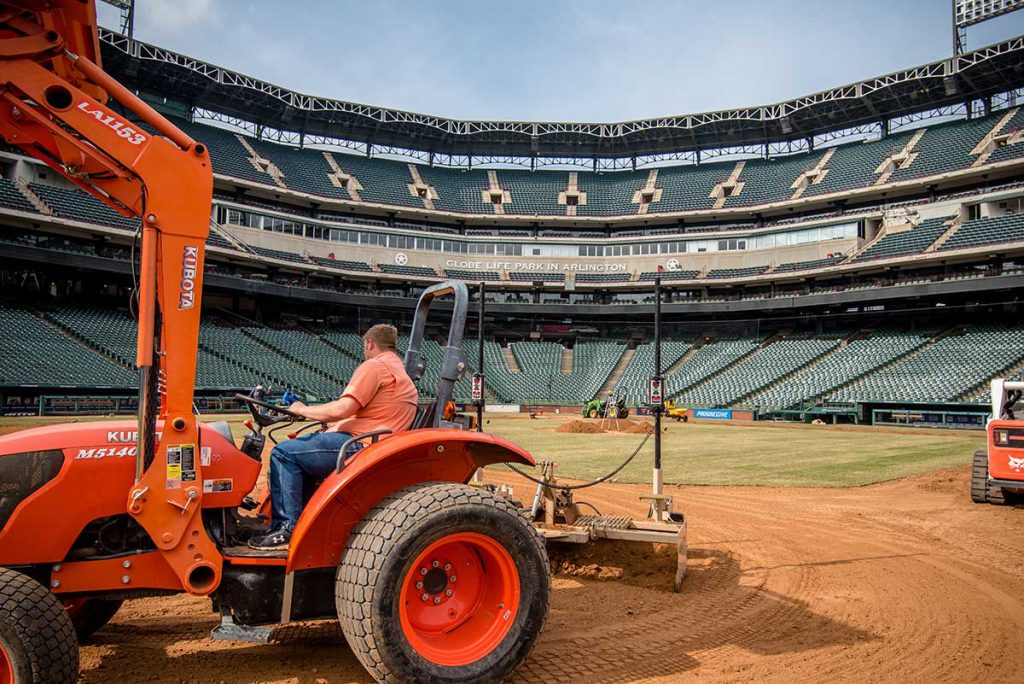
x: 310, y: 351
x: 79, y: 206
x: 36, y: 354
x: 737, y: 272
x: 603, y: 277
x: 649, y: 276
x: 278, y: 254
x: 342, y: 264
x: 707, y: 360
x: 634, y: 379
x: 529, y: 277
x: 416, y: 271
x: 986, y: 231
x: 472, y: 276
x: 912, y: 241
x: 942, y: 148
x: 943, y: 370
x: 762, y: 368
x: 12, y: 198
x: 850, y: 361
x: 271, y: 367
x: 808, y: 265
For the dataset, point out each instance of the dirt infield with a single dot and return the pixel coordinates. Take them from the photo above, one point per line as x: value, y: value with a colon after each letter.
x: 897, y: 581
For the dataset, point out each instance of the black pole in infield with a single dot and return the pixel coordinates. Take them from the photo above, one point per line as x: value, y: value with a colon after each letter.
x: 657, y: 401
x: 478, y: 379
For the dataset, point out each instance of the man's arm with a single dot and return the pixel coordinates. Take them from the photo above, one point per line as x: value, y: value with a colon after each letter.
x: 331, y: 412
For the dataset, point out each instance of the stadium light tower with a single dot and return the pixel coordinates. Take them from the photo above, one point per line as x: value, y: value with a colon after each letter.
x: 127, y: 8
x: 970, y: 12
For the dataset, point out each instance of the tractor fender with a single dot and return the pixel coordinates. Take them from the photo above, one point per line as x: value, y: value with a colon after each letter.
x: 341, y: 501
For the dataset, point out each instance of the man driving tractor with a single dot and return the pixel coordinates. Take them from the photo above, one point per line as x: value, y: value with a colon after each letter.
x: 379, y: 395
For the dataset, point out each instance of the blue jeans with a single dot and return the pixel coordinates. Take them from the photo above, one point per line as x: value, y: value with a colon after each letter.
x: 311, y: 457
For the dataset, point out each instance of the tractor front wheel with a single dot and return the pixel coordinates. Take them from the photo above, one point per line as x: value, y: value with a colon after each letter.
x: 442, y: 582
x: 37, y: 639
x: 592, y: 413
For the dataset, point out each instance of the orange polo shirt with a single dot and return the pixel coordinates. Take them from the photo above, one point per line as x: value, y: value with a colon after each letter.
x: 385, y: 394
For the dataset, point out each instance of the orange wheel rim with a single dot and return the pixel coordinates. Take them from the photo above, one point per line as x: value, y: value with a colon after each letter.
x: 6, y: 667
x: 459, y: 599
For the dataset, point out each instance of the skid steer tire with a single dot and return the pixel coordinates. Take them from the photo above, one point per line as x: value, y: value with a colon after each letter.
x: 624, y: 413
x: 431, y: 556
x: 37, y: 639
x: 979, y: 477
x: 90, y: 615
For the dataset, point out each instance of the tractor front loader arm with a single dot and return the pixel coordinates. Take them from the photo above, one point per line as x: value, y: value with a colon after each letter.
x: 53, y: 107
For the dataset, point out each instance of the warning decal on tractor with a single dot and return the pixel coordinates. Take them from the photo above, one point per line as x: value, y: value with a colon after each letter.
x: 173, y: 464
x: 223, y: 484
x: 188, y: 462
x: 205, y: 456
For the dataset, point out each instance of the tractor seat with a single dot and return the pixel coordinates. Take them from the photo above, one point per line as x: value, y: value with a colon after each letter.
x: 223, y: 428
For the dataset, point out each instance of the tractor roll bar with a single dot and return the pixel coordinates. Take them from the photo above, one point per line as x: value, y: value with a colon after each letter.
x: 453, y: 363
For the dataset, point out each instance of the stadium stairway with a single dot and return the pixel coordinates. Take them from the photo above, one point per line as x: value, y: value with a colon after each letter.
x: 617, y: 371
x: 565, y: 367
x: 706, y: 379
x: 783, y: 379
x: 942, y: 239
x: 33, y: 197
x: 682, y: 360
x: 510, y: 359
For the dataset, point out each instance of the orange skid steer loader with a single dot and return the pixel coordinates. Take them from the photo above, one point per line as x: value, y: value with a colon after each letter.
x: 430, y: 579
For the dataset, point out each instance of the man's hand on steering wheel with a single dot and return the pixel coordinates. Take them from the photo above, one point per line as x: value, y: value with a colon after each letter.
x: 298, y: 407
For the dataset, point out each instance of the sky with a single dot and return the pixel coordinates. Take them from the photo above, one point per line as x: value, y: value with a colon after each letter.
x: 559, y: 60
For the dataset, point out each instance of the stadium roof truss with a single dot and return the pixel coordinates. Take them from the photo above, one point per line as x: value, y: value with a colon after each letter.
x: 283, y: 115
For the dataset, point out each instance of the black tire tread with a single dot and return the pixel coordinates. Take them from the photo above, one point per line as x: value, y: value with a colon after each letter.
x: 37, y: 620
x: 369, y: 543
x: 979, y: 477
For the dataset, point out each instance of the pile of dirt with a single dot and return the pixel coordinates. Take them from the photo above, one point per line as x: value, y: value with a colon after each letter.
x: 652, y: 566
x: 638, y: 427
x: 580, y: 427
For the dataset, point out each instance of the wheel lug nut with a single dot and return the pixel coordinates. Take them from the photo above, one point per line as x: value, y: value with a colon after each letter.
x: 452, y: 579
x: 436, y: 564
x: 423, y: 571
x: 437, y: 599
x: 448, y: 592
x: 424, y: 598
x: 419, y: 585
x: 447, y: 567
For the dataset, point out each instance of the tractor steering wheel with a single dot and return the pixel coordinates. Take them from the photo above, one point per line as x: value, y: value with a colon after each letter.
x: 262, y: 418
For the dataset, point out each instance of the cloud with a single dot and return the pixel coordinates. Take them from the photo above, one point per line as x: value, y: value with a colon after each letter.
x: 170, y: 16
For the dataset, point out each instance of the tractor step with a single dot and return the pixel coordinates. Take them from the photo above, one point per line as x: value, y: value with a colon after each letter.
x: 249, y: 552
x: 227, y: 630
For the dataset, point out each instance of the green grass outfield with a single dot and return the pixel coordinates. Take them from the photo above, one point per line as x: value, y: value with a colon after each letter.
x: 715, y: 453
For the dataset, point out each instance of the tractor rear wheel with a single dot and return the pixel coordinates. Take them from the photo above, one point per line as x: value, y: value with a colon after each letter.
x: 89, y: 615
x: 443, y: 582
x: 37, y: 639
x: 624, y: 413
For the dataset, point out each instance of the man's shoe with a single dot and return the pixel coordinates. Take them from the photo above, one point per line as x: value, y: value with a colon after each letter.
x: 275, y: 539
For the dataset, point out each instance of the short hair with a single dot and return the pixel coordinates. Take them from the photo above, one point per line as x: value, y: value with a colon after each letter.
x: 384, y: 336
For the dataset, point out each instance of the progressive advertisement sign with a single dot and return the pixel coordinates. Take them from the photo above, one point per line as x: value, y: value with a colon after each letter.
x: 713, y: 414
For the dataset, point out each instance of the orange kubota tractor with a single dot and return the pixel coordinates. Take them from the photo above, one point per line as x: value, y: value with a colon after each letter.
x: 431, y: 579
x: 997, y: 473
